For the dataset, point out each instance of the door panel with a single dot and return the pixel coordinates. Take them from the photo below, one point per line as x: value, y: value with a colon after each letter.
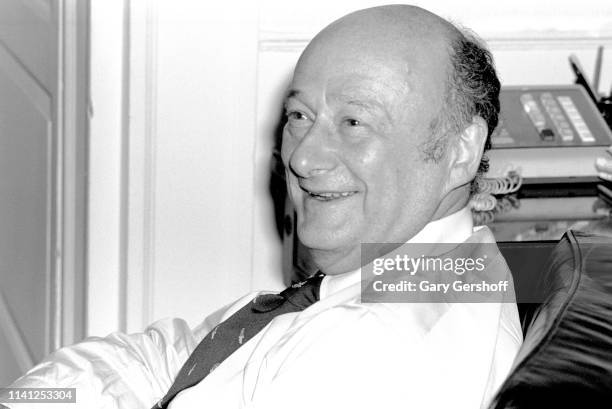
x: 29, y: 33
x: 10, y: 366
x: 25, y: 148
x: 28, y: 74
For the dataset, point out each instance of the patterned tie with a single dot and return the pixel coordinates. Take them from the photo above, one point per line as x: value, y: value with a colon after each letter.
x: 229, y: 335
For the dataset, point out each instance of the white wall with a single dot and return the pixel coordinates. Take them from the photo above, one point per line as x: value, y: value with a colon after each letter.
x: 205, y: 89
x: 206, y: 105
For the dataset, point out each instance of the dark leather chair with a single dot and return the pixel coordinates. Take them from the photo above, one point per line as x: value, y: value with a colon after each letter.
x: 566, y: 358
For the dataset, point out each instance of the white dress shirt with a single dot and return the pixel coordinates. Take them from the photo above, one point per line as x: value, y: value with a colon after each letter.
x: 337, y: 353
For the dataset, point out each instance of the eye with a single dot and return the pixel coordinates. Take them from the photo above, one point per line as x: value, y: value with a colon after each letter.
x: 296, y: 116
x: 298, y: 120
x: 353, y: 127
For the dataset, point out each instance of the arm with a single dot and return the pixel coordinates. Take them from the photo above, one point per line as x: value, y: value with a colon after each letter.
x: 122, y: 371
x: 118, y: 371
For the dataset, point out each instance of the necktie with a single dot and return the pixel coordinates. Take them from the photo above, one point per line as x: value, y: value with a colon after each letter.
x: 232, y: 333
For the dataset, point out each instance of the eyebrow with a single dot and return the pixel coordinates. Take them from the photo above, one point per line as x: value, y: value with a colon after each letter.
x: 292, y: 93
x: 368, y: 104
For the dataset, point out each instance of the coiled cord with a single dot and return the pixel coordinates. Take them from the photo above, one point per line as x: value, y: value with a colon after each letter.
x: 485, y: 205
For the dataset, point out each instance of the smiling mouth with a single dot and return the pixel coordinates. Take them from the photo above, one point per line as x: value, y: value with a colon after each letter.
x: 328, y: 196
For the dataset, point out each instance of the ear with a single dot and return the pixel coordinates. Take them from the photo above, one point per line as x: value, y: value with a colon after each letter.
x: 465, y: 153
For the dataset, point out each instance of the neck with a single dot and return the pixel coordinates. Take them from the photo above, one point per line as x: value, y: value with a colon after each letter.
x: 454, y: 201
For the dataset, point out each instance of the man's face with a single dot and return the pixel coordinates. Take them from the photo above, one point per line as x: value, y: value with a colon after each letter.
x: 352, y: 149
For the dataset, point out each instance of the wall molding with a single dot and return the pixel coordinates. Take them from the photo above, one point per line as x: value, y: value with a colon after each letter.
x: 69, y: 170
x: 140, y: 170
x: 524, y: 41
x: 106, y: 128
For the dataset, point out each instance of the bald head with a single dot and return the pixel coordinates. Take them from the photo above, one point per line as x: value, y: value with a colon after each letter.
x: 365, y: 141
x: 463, y: 82
x: 410, y: 41
x: 391, y: 27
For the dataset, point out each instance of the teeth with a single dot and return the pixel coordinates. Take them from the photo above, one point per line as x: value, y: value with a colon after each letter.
x: 330, y: 195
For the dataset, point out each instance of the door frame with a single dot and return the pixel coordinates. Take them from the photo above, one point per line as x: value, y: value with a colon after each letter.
x: 69, y: 228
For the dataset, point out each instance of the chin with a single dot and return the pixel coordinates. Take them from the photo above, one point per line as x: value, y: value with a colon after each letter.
x: 330, y: 250
x: 333, y: 262
x: 318, y: 241
x: 325, y: 239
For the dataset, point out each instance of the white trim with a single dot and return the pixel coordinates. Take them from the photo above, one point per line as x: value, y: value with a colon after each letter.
x: 140, y: 170
x: 291, y: 42
x: 68, y: 316
x: 51, y: 319
x: 125, y: 141
x: 129, y: 296
x: 57, y: 243
x: 527, y: 43
x: 150, y: 165
x: 141, y: 165
x: 105, y: 204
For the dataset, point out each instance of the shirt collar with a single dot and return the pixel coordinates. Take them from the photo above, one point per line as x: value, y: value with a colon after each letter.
x: 454, y: 228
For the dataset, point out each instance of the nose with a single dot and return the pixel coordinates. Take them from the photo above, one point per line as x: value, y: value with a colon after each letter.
x: 313, y: 155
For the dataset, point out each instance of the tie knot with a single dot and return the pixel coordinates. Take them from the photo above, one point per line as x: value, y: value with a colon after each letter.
x: 300, y: 295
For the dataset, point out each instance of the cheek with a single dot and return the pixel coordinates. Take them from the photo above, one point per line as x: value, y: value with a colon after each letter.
x: 369, y: 163
x: 385, y: 174
x: 423, y: 188
x: 400, y: 181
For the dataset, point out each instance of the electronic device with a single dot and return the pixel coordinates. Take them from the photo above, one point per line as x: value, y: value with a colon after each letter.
x: 549, y: 134
x: 581, y: 78
x: 547, y: 218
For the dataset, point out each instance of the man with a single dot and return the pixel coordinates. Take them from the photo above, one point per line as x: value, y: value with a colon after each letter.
x: 388, y: 114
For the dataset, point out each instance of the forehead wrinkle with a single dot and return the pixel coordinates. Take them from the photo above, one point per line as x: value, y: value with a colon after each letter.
x: 369, y: 93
